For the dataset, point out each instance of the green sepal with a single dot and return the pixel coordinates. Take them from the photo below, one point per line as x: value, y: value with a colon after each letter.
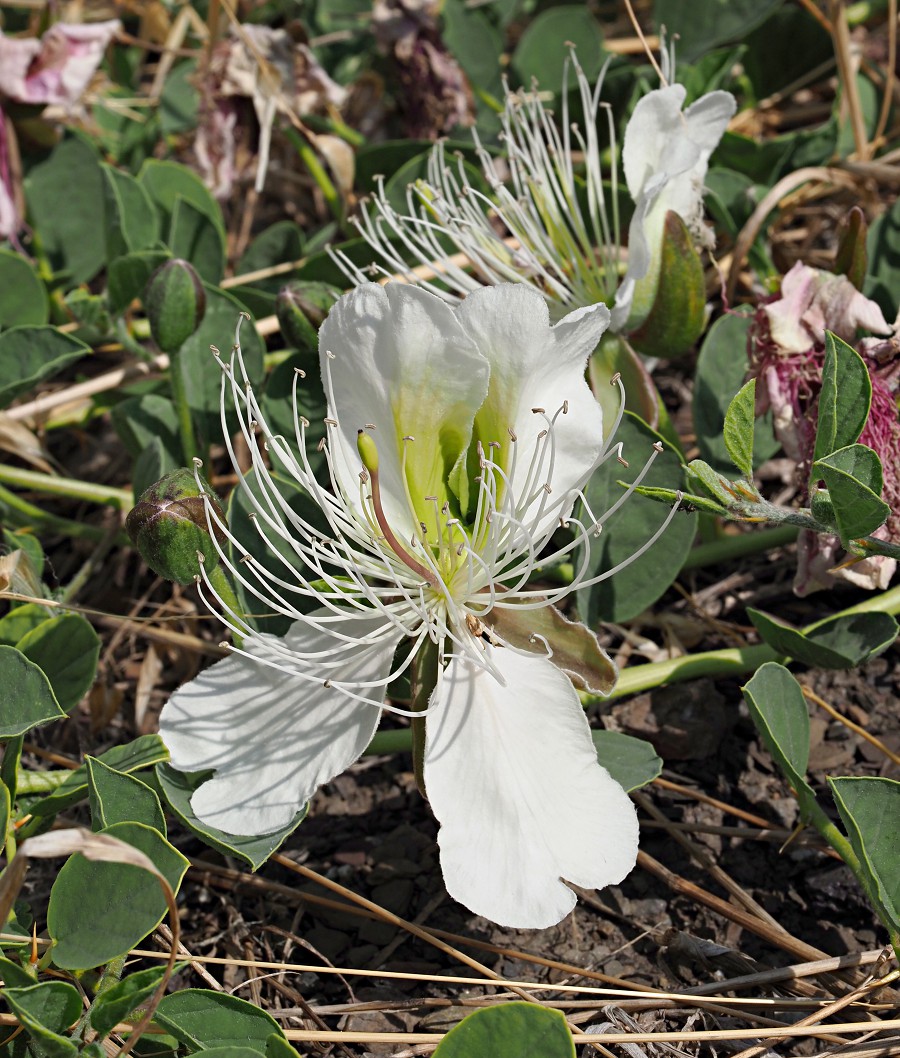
x: 676, y: 318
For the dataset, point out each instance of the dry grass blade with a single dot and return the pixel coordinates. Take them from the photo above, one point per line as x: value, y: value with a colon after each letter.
x: 861, y: 731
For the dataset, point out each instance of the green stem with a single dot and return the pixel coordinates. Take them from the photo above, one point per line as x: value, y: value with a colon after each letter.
x: 733, y: 661
x: 317, y: 172
x: 70, y: 487
x: 35, y: 516
x: 729, y: 662
x: 726, y: 548
x: 189, y: 447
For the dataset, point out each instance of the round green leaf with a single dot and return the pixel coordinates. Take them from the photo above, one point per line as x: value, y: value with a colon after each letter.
x: 23, y: 297
x: 66, y: 203
x: 201, y: 374
x: 632, y: 762
x: 542, y: 48
x: 125, y: 902
x: 513, y: 1030
x: 202, y: 1019
x: 638, y: 585
x: 45, y: 1010
x: 28, y: 698
x: 168, y: 182
x: 702, y: 26
x: 67, y: 649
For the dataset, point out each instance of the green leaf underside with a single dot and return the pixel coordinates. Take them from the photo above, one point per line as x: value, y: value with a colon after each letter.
x: 46, y: 1010
x: 632, y: 762
x: 66, y: 647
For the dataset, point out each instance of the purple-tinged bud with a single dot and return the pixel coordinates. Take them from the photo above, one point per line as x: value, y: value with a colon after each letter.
x: 301, y: 308
x: 175, y: 302
x: 852, y: 259
x: 168, y: 526
x: 676, y: 318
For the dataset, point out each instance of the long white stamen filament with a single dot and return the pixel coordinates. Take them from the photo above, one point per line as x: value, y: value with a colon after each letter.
x: 569, y: 253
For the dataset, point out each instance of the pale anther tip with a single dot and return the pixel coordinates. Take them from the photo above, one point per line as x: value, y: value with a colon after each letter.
x: 539, y: 411
x: 201, y: 558
x: 409, y: 437
x: 623, y: 462
x: 299, y: 372
x: 225, y: 645
x: 370, y: 426
x: 327, y: 683
x: 329, y: 354
x: 197, y: 461
x: 657, y: 446
x: 614, y: 381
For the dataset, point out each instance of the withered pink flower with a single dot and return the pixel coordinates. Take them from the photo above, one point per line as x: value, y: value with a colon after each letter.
x: 278, y: 75
x: 54, y: 70
x: 787, y: 354
x: 58, y: 67
x: 434, y: 94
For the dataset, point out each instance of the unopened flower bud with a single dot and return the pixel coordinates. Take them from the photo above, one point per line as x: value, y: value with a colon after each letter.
x: 168, y: 526
x: 851, y: 259
x: 175, y: 302
x: 675, y: 320
x: 301, y: 308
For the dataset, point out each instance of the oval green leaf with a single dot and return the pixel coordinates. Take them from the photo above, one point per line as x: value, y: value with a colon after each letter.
x: 45, y: 1010
x: 28, y: 699
x: 641, y: 583
x: 119, y: 798
x: 203, y: 1019
x: 513, y: 1030
x: 126, y: 903
x: 870, y: 810
x: 632, y: 762
x: 838, y: 643
x: 23, y: 296
x: 779, y: 711
x: 67, y: 649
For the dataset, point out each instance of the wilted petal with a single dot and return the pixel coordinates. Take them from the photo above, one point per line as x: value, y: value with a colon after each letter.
x: 401, y: 362
x: 16, y: 57
x: 271, y: 737
x: 534, y: 365
x: 512, y: 776
x: 63, y: 64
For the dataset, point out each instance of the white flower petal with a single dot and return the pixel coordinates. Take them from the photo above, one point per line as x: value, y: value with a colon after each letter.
x: 402, y: 362
x: 534, y: 365
x: 512, y: 775
x: 665, y: 156
x: 272, y: 738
